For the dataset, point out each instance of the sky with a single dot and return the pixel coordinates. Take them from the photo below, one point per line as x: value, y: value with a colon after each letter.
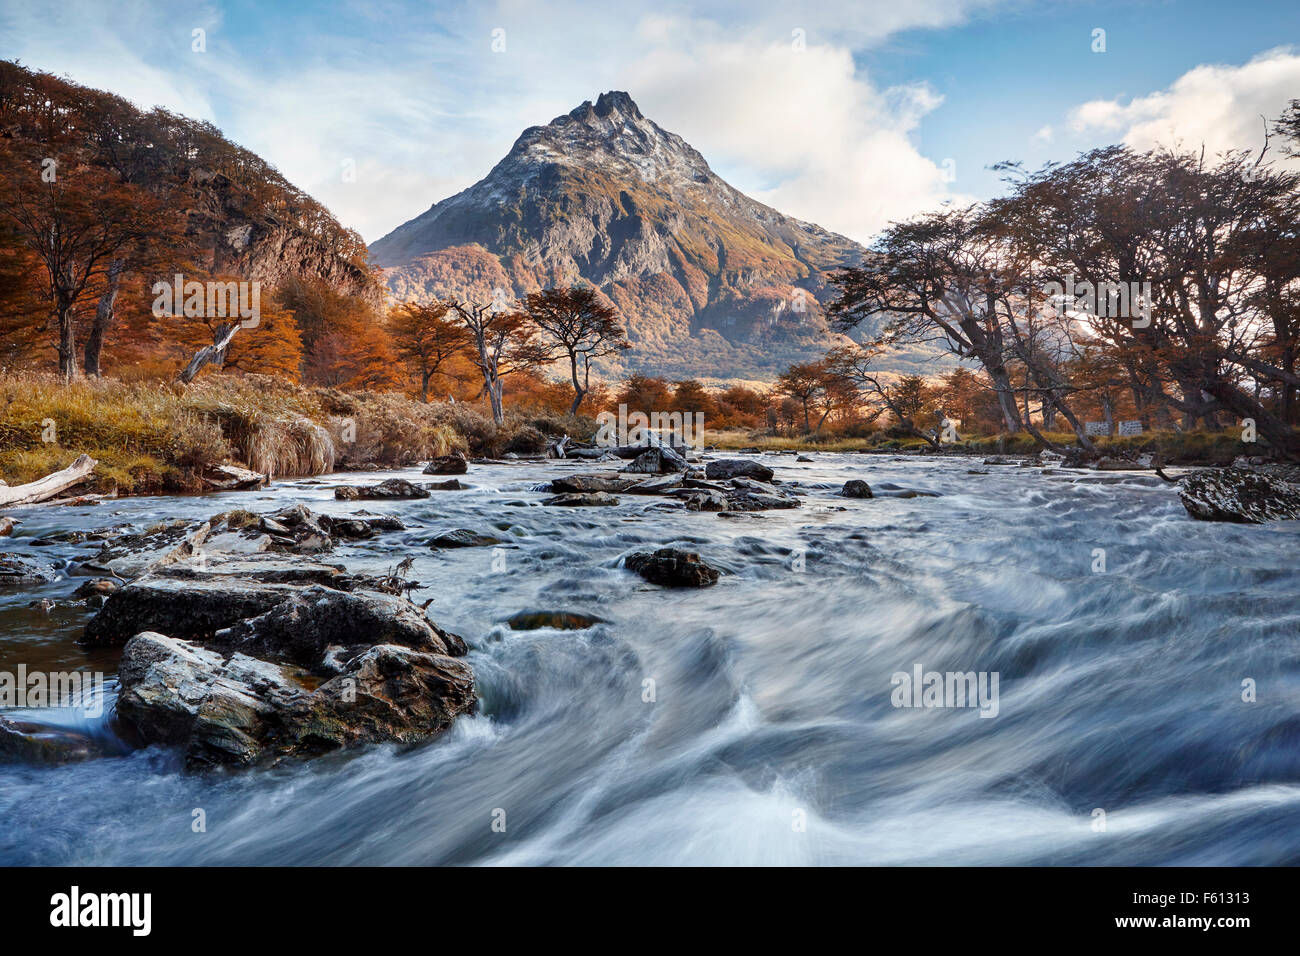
x: 847, y: 113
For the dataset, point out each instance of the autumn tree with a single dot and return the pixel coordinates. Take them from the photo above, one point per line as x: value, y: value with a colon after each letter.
x: 582, y: 326
x: 75, y: 219
x: 502, y: 342
x: 426, y: 337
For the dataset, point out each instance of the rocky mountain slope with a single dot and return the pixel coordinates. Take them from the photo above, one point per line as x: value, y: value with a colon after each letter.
x: 710, y: 282
x: 242, y: 217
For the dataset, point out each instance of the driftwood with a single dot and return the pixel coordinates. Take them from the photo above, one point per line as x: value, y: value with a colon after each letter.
x: 51, y: 485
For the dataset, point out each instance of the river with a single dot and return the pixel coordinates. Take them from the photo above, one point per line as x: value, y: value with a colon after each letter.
x: 755, y: 722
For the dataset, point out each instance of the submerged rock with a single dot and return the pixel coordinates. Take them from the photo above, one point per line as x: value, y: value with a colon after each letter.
x: 25, y: 741
x: 558, y: 620
x: 1244, y: 497
x: 673, y: 568
x: 737, y: 468
x: 462, y: 538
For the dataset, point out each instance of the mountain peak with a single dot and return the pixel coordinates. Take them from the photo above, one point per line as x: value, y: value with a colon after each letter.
x: 605, y: 196
x: 606, y: 103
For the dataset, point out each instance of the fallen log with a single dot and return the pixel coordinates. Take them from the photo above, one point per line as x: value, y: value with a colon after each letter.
x: 45, y: 488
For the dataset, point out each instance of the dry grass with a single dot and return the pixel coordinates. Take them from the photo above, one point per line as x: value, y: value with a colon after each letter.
x: 154, y: 436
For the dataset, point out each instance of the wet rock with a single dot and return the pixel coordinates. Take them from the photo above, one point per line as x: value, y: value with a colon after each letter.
x: 576, y: 484
x: 1000, y: 460
x: 232, y: 478
x: 392, y: 489
x: 737, y: 468
x: 1235, y: 495
x: 760, y: 502
x: 462, y: 538
x: 198, y: 609
x: 317, y: 628
x: 234, y: 710
x: 706, y: 501
x: 656, y: 486
x: 17, y: 570
x: 855, y: 488
x: 24, y: 741
x: 558, y: 620
x: 95, y: 591
x: 582, y: 500
x: 657, y: 461
x: 803, y: 458
x: 451, y: 484
x: 447, y: 465
x: 672, y: 568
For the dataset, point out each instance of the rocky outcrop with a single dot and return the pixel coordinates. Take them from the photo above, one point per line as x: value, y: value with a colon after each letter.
x: 672, y: 568
x: 1236, y: 495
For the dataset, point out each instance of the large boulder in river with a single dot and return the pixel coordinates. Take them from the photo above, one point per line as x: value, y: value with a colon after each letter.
x: 190, y: 609
x: 235, y: 710
x: 725, y: 468
x: 672, y: 568
x: 855, y: 488
x: 572, y: 484
x: 659, y: 460
x: 319, y: 628
x: 1244, y: 497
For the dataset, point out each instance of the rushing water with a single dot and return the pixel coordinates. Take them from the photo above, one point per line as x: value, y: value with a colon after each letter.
x: 771, y: 737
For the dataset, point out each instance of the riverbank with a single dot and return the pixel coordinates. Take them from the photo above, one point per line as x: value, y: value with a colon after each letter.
x: 156, y: 437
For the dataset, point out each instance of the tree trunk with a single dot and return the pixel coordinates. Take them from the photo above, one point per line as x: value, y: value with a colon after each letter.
x: 49, y: 486
x: 579, y: 393
x: 209, y: 353
x: 67, y: 317
x: 103, y: 318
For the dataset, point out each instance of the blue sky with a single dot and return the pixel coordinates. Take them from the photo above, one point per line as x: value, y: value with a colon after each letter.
x: 848, y: 113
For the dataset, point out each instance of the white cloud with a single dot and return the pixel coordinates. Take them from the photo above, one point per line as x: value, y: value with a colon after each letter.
x: 1219, y: 106
x: 421, y: 104
x: 807, y: 131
